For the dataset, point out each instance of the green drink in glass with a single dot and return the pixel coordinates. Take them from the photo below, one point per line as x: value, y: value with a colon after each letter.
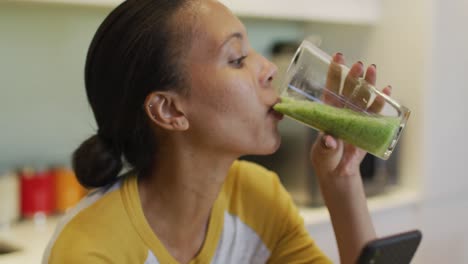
x: 343, y: 114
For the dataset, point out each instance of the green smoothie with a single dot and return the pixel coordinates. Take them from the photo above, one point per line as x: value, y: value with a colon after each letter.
x: 369, y: 132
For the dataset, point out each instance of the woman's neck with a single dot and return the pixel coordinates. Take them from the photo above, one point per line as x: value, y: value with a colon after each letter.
x: 178, y: 196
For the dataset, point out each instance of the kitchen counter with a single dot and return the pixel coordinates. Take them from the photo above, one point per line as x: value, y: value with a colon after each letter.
x: 394, y: 199
x: 32, y: 236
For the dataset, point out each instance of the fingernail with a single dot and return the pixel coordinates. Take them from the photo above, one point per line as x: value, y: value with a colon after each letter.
x: 390, y: 87
x: 375, y: 66
x: 360, y: 62
x: 328, y: 142
x: 325, y: 142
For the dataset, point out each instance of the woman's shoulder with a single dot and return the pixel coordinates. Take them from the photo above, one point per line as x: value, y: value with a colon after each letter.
x: 250, y: 177
x: 254, y: 190
x: 252, y: 181
x: 88, y: 225
x: 257, y: 198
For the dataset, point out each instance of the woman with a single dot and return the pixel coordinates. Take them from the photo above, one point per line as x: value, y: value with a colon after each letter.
x: 179, y: 95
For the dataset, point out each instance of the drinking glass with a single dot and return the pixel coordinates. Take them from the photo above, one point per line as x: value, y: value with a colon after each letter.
x: 321, y: 94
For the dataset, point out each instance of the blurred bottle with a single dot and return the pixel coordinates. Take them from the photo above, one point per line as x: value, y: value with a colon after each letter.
x: 9, y: 199
x: 37, y: 192
x: 68, y: 191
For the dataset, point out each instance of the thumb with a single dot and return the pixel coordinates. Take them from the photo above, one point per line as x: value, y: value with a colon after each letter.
x: 326, y: 154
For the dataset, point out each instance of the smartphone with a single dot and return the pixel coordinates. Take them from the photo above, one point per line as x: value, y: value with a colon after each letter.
x: 394, y: 249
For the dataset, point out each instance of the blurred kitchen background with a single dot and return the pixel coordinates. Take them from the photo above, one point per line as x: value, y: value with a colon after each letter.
x: 419, y: 47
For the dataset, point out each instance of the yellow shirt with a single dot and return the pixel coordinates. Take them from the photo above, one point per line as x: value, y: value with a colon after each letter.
x: 253, y: 220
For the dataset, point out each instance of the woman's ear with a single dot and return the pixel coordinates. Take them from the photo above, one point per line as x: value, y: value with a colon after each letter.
x: 165, y: 110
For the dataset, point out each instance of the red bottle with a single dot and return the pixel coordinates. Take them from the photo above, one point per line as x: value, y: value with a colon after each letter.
x: 37, y: 192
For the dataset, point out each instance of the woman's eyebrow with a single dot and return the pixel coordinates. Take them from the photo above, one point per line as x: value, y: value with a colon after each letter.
x: 235, y: 35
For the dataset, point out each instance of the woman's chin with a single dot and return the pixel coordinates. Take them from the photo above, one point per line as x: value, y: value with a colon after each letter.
x: 276, y: 145
x: 272, y: 148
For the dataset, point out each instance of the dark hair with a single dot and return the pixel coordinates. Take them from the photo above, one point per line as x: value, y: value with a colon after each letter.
x: 133, y: 53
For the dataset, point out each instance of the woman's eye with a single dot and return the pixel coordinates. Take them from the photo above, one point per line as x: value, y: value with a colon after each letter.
x: 238, y: 62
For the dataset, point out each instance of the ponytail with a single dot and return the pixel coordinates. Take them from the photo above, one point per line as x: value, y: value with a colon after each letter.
x: 96, y: 163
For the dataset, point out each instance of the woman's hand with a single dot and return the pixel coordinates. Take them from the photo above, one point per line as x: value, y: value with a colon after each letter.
x: 337, y: 164
x: 332, y: 158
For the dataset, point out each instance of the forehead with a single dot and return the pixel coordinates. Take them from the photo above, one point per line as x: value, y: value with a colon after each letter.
x: 215, y: 23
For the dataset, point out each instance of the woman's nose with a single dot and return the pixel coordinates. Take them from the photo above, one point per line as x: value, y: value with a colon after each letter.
x: 268, y: 73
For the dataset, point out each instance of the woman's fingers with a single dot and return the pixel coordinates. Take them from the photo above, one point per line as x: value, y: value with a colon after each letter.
x: 352, y: 80
x: 371, y: 74
x: 355, y: 90
x: 334, y: 73
x: 334, y: 81
x: 379, y: 101
x: 362, y: 94
x: 326, y: 153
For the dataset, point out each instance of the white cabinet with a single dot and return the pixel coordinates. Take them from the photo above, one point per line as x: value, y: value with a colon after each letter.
x: 336, y: 11
x: 91, y: 3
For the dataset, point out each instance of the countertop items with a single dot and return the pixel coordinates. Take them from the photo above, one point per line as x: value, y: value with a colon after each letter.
x: 9, y: 199
x: 28, y: 191
x: 31, y: 236
x: 37, y: 192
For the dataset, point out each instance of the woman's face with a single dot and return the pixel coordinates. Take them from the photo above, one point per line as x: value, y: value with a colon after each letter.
x: 231, y: 94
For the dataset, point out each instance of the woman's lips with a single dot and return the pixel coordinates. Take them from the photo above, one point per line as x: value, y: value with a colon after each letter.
x: 275, y: 114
